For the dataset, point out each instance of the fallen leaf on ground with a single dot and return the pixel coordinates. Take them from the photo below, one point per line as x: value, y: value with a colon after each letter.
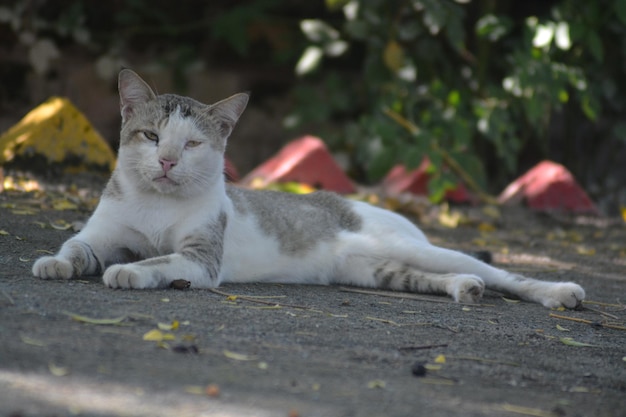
x: 585, y: 250
x: 194, y: 389
x: 60, y: 224
x: 238, y: 356
x: 376, y: 383
x: 58, y: 370
x: 90, y: 320
x: 33, y: 342
x: 156, y: 335
x: 63, y: 204
x: 535, y: 412
x: 571, y: 342
x: 168, y: 326
x: 440, y: 359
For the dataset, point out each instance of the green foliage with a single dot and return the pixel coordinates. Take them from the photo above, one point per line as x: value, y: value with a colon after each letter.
x: 458, y: 82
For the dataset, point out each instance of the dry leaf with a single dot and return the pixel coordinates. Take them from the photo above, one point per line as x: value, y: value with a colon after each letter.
x: 168, y: 326
x: 238, y: 356
x: 63, y: 204
x: 509, y: 300
x: 58, y: 370
x: 571, y: 342
x: 84, y: 319
x: 157, y: 335
x: 4, y: 232
x: 585, y: 250
x: 486, y: 227
x: 393, y: 56
x: 534, y: 412
x: 60, y: 224
x: 561, y: 328
x: 440, y: 359
x: 450, y: 219
x: 195, y: 389
x: 492, y: 211
x: 33, y: 342
x: 376, y: 383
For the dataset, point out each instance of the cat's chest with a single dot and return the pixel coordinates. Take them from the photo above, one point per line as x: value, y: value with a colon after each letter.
x: 159, y: 226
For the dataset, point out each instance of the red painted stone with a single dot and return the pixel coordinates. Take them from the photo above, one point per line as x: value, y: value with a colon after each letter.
x: 232, y: 175
x: 305, y: 160
x: 549, y: 186
x: 399, y: 180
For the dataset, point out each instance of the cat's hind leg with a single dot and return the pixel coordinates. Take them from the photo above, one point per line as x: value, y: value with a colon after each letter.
x: 400, y: 276
x: 440, y: 260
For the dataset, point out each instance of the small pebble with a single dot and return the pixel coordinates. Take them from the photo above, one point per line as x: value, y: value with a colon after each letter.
x: 418, y: 369
x: 212, y: 390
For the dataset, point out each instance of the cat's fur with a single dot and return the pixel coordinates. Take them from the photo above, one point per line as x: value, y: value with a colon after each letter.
x: 167, y: 214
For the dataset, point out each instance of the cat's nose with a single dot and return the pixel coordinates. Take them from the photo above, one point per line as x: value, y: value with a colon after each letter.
x: 167, y: 164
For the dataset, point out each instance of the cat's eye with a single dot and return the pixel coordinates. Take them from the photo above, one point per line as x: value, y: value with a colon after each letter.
x: 192, y: 143
x: 151, y: 136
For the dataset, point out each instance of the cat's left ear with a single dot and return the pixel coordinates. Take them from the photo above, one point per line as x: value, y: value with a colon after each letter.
x: 228, y: 112
x: 133, y: 90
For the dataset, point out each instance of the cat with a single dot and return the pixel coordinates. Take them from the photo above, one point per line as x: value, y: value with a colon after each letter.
x: 167, y: 214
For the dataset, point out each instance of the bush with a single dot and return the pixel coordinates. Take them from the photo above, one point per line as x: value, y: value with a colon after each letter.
x: 473, y: 86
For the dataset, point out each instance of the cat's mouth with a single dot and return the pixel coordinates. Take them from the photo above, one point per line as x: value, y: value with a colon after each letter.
x: 164, y: 179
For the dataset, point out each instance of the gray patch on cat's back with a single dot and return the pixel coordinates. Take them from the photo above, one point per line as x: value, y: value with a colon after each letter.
x: 298, y: 222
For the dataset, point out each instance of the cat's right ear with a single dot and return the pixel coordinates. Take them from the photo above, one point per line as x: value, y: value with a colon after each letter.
x: 133, y: 90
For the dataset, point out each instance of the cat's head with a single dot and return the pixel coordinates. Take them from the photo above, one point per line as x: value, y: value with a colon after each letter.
x: 172, y: 144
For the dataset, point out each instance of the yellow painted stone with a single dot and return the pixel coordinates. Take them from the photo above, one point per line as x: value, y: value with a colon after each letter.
x: 61, y: 133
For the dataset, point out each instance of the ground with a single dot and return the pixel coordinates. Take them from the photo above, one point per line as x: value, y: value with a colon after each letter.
x: 290, y: 350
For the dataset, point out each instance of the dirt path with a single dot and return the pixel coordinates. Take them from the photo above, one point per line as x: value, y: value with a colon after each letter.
x: 313, y: 351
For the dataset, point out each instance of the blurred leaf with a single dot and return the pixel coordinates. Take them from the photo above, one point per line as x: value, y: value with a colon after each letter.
x: 571, y: 342
x: 336, y: 4
x: 620, y: 10
x: 493, y: 27
x: 168, y: 326
x: 89, y: 320
x: 157, y: 335
x: 58, y: 370
x: 594, y: 42
x: 393, y: 56
x: 376, y: 384
x: 238, y: 356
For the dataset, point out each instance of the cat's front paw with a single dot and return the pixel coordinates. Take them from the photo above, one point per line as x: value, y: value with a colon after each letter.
x: 128, y: 276
x: 563, y: 294
x: 467, y: 289
x: 50, y: 267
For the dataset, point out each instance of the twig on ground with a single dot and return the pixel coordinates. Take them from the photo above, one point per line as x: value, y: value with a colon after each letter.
x: 423, y: 347
x: 592, y: 323
x: 253, y: 299
x: 477, y: 359
x: 408, y: 296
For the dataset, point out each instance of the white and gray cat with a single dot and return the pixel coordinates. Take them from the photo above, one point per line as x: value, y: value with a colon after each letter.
x: 167, y: 214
